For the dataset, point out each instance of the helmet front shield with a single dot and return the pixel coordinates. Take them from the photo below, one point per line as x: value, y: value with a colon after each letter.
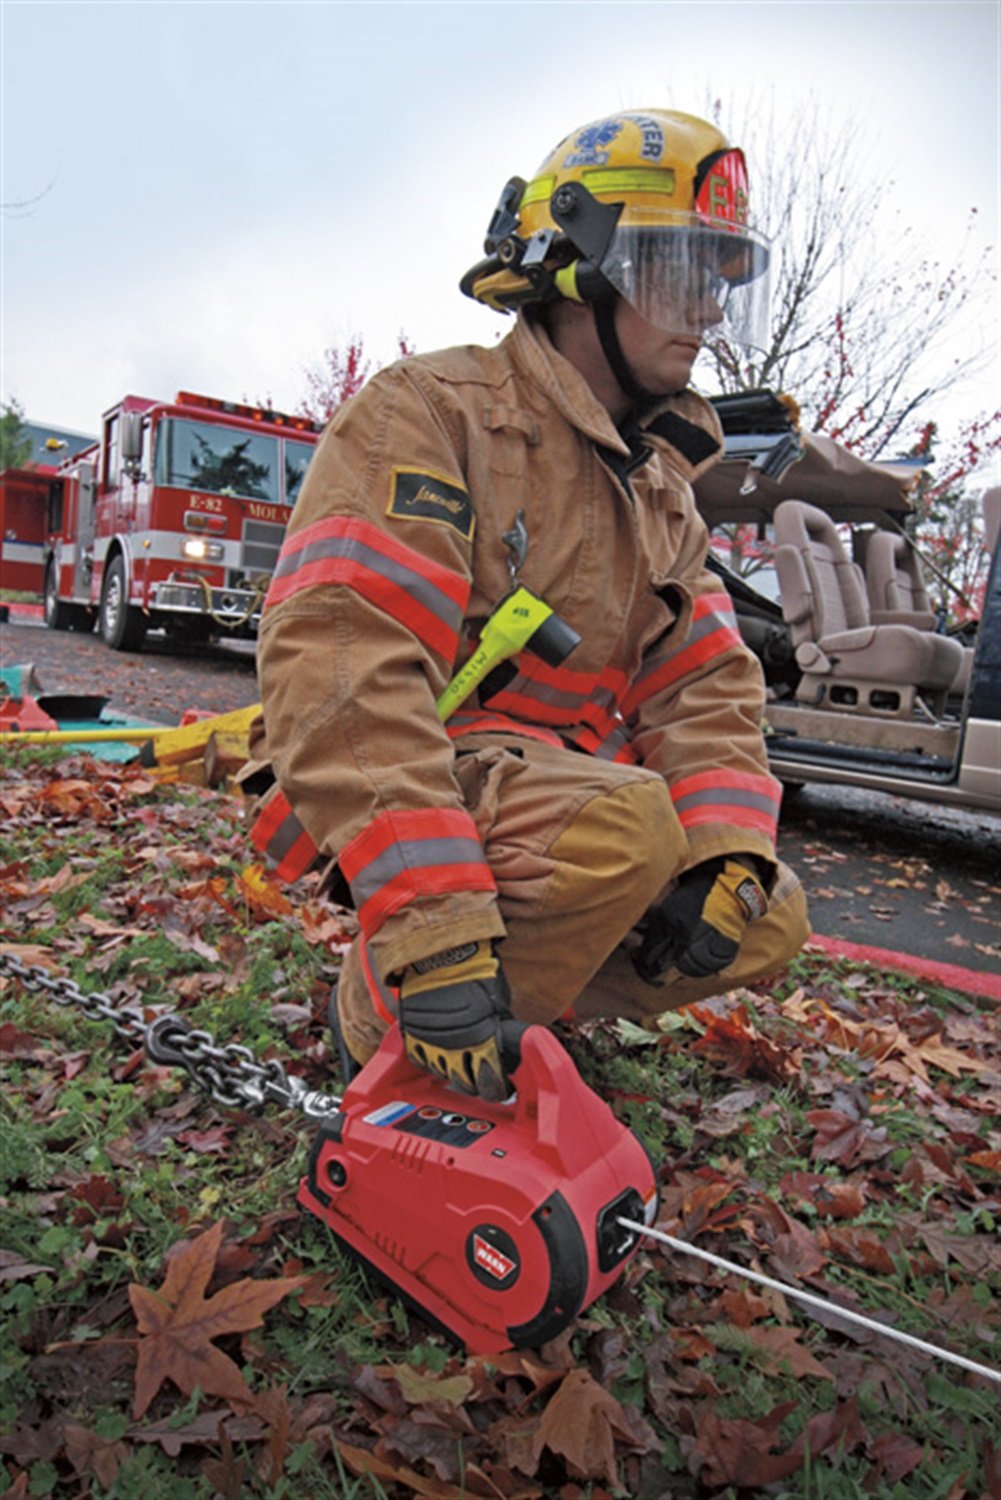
x: 686, y: 277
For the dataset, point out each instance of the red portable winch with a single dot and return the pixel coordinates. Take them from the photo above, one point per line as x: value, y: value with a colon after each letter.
x: 499, y: 1221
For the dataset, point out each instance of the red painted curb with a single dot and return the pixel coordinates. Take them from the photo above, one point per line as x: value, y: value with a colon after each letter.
x: 34, y: 611
x: 952, y: 976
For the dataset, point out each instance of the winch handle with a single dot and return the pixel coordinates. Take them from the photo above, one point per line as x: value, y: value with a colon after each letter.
x: 551, y: 1094
x: 545, y: 1080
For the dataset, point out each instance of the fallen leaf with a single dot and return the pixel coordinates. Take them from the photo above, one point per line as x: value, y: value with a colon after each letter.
x: 581, y: 1423
x: 862, y: 1247
x: 261, y: 890
x: 783, y: 1350
x: 828, y: 1195
x: 361, y: 1461
x: 896, y: 1454
x: 178, y: 1325
x: 200, y: 1431
x: 419, y: 1386
x: 13, y: 1267
x: 227, y: 1473
x: 842, y: 1139
x: 93, y: 1455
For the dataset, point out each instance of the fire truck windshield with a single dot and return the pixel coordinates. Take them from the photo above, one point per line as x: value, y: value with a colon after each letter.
x: 217, y: 460
x: 297, y: 456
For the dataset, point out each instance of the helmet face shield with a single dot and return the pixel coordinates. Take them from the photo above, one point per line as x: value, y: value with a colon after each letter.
x: 686, y: 277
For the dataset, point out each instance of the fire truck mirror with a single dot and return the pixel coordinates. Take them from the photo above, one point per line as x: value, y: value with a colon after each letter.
x: 132, y: 440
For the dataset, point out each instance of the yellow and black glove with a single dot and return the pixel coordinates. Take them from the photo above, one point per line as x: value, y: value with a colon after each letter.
x: 455, y: 1014
x: 697, y: 928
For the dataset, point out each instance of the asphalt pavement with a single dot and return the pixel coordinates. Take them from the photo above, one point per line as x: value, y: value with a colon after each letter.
x: 888, y: 878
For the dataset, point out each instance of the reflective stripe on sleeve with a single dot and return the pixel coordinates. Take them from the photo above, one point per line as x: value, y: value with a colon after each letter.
x: 403, y: 855
x: 384, y: 999
x: 277, y: 834
x: 738, y: 797
x: 713, y: 632
x: 428, y: 599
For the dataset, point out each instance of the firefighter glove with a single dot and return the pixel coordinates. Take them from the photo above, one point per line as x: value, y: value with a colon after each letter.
x: 697, y: 927
x: 455, y: 1014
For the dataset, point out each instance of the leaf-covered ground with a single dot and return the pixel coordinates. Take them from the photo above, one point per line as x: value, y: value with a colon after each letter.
x: 174, y: 1327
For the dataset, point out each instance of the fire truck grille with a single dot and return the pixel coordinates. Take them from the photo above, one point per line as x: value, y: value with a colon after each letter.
x: 262, y: 542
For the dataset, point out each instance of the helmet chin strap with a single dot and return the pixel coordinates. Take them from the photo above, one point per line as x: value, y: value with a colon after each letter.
x: 604, y: 322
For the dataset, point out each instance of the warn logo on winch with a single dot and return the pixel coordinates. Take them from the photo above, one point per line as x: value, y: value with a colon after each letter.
x: 492, y: 1256
x: 492, y: 1260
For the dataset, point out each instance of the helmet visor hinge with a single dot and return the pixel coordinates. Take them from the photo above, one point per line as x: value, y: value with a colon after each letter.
x: 528, y: 260
x: 537, y: 249
x: 589, y: 224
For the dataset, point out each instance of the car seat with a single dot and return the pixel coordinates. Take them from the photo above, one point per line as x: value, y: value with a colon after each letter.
x: 848, y: 661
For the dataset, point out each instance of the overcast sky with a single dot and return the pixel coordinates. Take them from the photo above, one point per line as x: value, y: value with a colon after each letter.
x: 204, y: 195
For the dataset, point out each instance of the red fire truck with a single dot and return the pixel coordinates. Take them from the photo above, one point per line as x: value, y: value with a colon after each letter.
x: 173, y: 519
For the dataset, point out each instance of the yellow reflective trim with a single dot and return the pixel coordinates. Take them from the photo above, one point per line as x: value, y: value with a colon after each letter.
x: 629, y: 180
x: 540, y: 190
x: 605, y: 180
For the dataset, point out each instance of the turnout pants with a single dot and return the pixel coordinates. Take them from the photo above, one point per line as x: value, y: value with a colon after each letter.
x: 580, y: 848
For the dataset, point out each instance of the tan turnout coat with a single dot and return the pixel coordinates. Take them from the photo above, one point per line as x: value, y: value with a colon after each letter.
x: 393, y: 560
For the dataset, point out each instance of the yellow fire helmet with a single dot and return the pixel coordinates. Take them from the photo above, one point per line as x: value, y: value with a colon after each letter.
x: 651, y: 204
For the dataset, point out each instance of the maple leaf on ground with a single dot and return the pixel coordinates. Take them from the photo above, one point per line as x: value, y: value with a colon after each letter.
x: 781, y: 1348
x: 827, y: 1195
x: 582, y: 1422
x: 742, y: 1452
x: 178, y: 1325
x: 897, y: 1455
x: 841, y: 1139
x: 93, y: 1455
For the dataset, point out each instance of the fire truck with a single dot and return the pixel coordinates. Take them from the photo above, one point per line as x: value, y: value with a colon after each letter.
x: 173, y: 519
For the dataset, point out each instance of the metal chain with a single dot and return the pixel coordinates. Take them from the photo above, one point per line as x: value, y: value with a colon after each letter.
x: 230, y: 1074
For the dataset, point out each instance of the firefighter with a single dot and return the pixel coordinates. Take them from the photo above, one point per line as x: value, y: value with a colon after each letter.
x: 587, y: 836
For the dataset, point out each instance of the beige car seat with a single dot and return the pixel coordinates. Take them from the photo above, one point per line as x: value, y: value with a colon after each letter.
x: 895, y: 583
x: 898, y: 596
x: 847, y: 660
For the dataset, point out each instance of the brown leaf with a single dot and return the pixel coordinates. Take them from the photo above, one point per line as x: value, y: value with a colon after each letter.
x: 782, y: 1349
x: 976, y: 1254
x: 840, y: 1138
x: 698, y: 1205
x: 896, y: 1454
x: 581, y: 1423
x: 734, y: 1042
x: 862, y: 1247
x: 93, y: 1455
x: 178, y: 1325
x: 839, y: 1200
x: 741, y: 1453
x: 274, y: 1408
x: 227, y: 1473
x: 15, y: 1043
x: 13, y: 1267
x: 934, y: 1052
x: 200, y: 1432
x: 361, y: 1461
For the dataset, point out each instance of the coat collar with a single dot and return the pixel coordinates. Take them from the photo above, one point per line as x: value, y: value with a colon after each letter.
x: 686, y: 424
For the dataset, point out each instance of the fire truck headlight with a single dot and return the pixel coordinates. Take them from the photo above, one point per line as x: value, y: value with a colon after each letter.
x: 199, y: 550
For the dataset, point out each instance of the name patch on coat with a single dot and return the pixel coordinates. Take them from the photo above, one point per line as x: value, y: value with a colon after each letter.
x: 428, y: 497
